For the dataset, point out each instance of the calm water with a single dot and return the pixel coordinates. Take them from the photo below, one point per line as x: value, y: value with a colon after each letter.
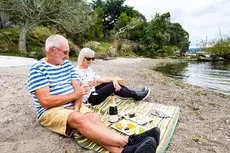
x: 214, y: 76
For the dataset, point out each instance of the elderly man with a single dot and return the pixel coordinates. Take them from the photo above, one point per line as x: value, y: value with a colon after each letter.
x: 57, y: 94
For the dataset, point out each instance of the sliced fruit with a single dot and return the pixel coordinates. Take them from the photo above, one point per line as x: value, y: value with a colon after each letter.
x: 119, y: 125
x: 131, y: 126
x: 133, y: 131
x: 141, y: 130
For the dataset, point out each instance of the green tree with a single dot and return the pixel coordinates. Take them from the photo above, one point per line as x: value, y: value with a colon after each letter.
x: 72, y: 15
x: 115, y: 15
x: 97, y: 3
x: 178, y: 37
x: 111, y: 12
x: 163, y: 38
x: 128, y: 27
x: 160, y: 24
x: 124, y: 25
x: 156, y: 35
x: 123, y: 20
x: 113, y: 9
x: 96, y: 28
x: 140, y: 21
x: 131, y: 12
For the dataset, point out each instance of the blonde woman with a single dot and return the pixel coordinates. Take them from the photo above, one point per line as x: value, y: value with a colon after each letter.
x: 106, y: 87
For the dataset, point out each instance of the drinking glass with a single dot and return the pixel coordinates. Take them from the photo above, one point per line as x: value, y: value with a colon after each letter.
x: 93, y: 90
x: 92, y: 85
x: 135, y: 108
x: 86, y: 84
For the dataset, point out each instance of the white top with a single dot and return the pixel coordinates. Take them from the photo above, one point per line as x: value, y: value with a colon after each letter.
x: 86, y: 75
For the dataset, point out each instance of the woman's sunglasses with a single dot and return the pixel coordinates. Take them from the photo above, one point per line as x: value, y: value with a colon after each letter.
x: 89, y: 58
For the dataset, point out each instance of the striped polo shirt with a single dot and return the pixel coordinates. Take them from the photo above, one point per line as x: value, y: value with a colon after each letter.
x: 58, y: 78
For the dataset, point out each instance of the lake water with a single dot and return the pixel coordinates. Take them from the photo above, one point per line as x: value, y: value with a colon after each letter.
x: 210, y: 75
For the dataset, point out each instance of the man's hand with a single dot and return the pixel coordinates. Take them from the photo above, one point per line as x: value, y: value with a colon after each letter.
x: 116, y: 85
x: 79, y: 91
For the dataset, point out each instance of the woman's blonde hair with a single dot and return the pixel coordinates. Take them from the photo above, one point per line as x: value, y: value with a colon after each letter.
x: 84, y: 53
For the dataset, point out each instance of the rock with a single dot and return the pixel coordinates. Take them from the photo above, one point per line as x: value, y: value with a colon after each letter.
x: 112, y: 51
x: 126, y: 48
x: 92, y: 44
x: 32, y: 54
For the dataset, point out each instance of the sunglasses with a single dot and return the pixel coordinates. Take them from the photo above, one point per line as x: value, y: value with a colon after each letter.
x: 64, y: 51
x: 90, y: 58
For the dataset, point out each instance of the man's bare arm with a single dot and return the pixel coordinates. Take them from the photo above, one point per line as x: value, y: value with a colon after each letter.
x: 77, y: 88
x: 47, y: 100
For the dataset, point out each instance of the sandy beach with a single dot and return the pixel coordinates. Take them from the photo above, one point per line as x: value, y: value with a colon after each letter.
x: 204, y: 124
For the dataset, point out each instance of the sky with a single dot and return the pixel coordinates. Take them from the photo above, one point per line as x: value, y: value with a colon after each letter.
x: 202, y: 19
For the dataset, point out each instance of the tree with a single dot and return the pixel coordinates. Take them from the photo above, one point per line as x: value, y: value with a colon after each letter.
x: 111, y: 12
x: 124, y: 25
x: 96, y: 28
x: 113, y: 9
x: 156, y: 35
x: 4, y: 20
x: 178, y: 37
x: 162, y: 37
x: 97, y: 3
x: 131, y: 12
x: 72, y: 15
x: 159, y: 25
x: 115, y: 15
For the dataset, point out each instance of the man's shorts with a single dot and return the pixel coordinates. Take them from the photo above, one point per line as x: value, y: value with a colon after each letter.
x: 55, y: 119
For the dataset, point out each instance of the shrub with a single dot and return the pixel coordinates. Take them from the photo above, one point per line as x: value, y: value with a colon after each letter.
x: 220, y: 48
x: 9, y: 40
x: 35, y: 42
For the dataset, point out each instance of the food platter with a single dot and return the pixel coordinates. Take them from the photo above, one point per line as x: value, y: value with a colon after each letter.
x: 128, y: 127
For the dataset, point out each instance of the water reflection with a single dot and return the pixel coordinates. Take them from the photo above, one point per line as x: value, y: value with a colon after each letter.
x: 214, y: 76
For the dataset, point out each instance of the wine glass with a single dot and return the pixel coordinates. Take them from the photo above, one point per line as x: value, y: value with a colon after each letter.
x: 92, y: 85
x: 93, y: 91
x: 134, y: 110
x: 85, y: 83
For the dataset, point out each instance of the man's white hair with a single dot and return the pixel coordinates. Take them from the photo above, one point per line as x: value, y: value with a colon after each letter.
x: 54, y: 41
x: 84, y: 53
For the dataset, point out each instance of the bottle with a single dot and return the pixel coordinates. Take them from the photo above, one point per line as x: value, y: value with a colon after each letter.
x: 113, y: 113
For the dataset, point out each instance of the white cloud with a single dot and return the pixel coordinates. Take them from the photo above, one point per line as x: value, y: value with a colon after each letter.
x: 201, y: 18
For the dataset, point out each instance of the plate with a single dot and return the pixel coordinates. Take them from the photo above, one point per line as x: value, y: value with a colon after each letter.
x: 128, y: 127
x: 138, y: 118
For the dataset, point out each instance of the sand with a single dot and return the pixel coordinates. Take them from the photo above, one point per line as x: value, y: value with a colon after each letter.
x: 204, y: 124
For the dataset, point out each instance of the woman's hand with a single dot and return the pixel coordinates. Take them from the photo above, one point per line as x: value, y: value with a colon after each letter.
x: 84, y: 89
x: 116, y: 85
x: 92, y: 83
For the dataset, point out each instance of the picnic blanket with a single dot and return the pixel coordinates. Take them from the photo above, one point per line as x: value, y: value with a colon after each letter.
x: 164, y: 117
